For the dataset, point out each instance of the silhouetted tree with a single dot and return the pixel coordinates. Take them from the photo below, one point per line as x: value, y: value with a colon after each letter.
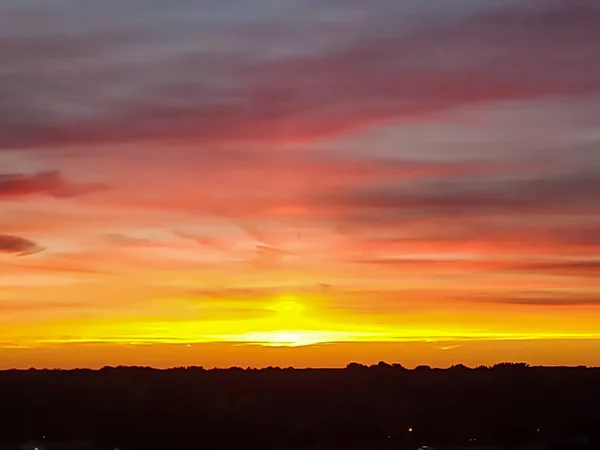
x: 142, y: 408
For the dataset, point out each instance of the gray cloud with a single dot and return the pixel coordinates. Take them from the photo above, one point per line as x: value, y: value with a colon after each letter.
x: 237, y: 72
x: 575, y: 192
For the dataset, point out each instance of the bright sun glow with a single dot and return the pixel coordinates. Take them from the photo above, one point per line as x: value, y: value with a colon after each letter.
x: 289, y: 307
x: 289, y: 313
x: 287, y: 321
x: 286, y: 338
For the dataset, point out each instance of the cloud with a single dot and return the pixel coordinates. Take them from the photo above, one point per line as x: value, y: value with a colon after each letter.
x: 18, y: 246
x: 268, y: 293
x: 549, y: 300
x: 573, y: 192
x: 570, y: 268
x: 433, y: 266
x: 54, y: 266
x: 277, y: 185
x: 108, y: 85
x: 47, y: 183
x: 478, y: 235
x: 36, y: 307
x: 448, y: 347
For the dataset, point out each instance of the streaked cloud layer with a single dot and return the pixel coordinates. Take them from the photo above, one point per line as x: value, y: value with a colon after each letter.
x: 295, y: 173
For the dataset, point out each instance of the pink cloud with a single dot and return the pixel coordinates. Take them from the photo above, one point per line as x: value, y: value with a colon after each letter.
x: 46, y: 183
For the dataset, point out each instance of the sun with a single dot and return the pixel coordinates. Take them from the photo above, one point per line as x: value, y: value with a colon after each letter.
x: 289, y: 307
x: 285, y: 338
x: 289, y: 320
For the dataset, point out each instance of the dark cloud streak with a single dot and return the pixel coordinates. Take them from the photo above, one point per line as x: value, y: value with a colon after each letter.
x: 575, y: 192
x: 50, y: 183
x: 18, y: 246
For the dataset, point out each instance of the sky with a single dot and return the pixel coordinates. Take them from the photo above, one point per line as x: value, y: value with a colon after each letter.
x: 299, y: 182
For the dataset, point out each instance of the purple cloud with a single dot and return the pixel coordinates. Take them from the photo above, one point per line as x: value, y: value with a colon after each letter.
x: 109, y: 85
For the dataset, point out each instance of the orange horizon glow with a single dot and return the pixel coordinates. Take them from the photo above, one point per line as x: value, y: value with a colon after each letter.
x: 288, y: 324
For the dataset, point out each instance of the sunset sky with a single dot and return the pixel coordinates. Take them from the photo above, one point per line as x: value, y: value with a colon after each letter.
x: 299, y: 182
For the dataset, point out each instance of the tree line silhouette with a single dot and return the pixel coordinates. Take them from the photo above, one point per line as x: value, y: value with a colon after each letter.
x: 381, y: 406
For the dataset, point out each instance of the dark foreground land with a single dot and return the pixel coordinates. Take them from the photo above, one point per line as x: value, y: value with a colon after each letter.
x: 358, y: 407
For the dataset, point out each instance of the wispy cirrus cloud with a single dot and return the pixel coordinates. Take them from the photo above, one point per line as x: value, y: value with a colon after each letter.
x: 437, y: 266
x: 541, y: 299
x: 482, y: 236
